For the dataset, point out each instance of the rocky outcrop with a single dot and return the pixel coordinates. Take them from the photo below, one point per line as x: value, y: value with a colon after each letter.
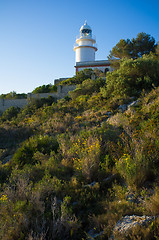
x: 126, y: 224
x: 124, y: 107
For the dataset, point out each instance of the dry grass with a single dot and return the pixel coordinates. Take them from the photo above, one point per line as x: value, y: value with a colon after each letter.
x: 152, y: 204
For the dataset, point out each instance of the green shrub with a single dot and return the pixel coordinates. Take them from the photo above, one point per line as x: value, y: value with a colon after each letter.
x: 10, y: 113
x: 87, y: 87
x: 45, y: 89
x: 132, y: 170
x: 24, y: 154
x: 13, y: 95
x: 78, y: 78
x: 4, y: 173
x: 132, y: 77
x: 37, y: 103
x: 33, y: 105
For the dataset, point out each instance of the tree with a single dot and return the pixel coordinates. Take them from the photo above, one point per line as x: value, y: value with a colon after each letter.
x: 157, y: 48
x: 143, y: 44
x: 121, y: 50
x: 137, y: 47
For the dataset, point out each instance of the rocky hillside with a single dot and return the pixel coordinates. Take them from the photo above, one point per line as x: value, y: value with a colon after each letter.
x: 85, y: 167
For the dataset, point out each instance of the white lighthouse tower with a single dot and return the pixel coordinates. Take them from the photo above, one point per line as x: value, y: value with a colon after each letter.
x: 85, y: 47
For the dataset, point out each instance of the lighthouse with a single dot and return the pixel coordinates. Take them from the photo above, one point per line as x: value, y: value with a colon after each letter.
x: 85, y: 46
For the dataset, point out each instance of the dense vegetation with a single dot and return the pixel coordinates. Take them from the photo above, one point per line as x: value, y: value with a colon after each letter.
x: 76, y: 166
x: 13, y: 95
x: 45, y: 89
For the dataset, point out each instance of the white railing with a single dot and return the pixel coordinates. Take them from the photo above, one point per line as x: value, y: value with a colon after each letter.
x: 86, y: 37
x: 94, y: 45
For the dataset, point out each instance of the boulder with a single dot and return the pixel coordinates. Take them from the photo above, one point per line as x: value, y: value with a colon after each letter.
x: 133, y: 104
x: 122, y: 108
x: 128, y: 222
x: 93, y: 235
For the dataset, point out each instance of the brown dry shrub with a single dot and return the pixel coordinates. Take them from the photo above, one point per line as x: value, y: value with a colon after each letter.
x: 152, y: 204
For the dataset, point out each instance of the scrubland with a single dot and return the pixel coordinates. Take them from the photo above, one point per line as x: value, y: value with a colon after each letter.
x: 79, y: 164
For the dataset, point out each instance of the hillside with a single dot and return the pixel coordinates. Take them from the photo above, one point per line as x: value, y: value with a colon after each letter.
x: 72, y: 169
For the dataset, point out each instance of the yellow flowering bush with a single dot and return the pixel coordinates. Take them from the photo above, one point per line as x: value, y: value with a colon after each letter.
x: 86, y: 155
x: 3, y: 198
x: 133, y: 169
x: 127, y: 168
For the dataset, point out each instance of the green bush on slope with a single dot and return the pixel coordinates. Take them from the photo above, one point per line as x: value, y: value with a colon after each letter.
x: 88, y: 87
x: 24, y: 154
x: 78, y: 78
x: 132, y: 77
x: 45, y: 89
x: 10, y: 113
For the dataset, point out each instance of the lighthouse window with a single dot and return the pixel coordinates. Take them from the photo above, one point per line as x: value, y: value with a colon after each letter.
x: 86, y: 31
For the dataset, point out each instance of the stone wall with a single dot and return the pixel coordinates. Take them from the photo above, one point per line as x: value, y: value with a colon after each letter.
x: 65, y: 89
x: 62, y: 91
x: 56, y: 81
x: 41, y: 95
x: 7, y: 103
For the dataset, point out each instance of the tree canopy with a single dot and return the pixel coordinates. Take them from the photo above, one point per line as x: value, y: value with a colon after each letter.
x: 137, y: 47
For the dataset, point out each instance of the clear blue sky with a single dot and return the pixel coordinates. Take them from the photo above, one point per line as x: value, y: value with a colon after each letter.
x: 37, y: 36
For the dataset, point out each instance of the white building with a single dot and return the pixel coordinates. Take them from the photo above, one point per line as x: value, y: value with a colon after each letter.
x: 85, y: 48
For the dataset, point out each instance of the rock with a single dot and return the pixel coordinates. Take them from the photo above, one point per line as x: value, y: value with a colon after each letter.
x: 105, y: 180
x: 122, y: 108
x: 109, y: 114
x: 133, y: 104
x: 110, y: 178
x: 90, y: 185
x: 136, y: 199
x: 7, y: 159
x: 74, y: 203
x: 125, y: 107
x: 129, y: 222
x: 93, y: 235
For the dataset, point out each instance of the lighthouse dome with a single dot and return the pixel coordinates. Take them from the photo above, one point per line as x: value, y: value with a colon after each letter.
x: 86, y: 28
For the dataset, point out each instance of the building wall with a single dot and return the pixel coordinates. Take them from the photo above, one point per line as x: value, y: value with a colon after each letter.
x: 102, y: 68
